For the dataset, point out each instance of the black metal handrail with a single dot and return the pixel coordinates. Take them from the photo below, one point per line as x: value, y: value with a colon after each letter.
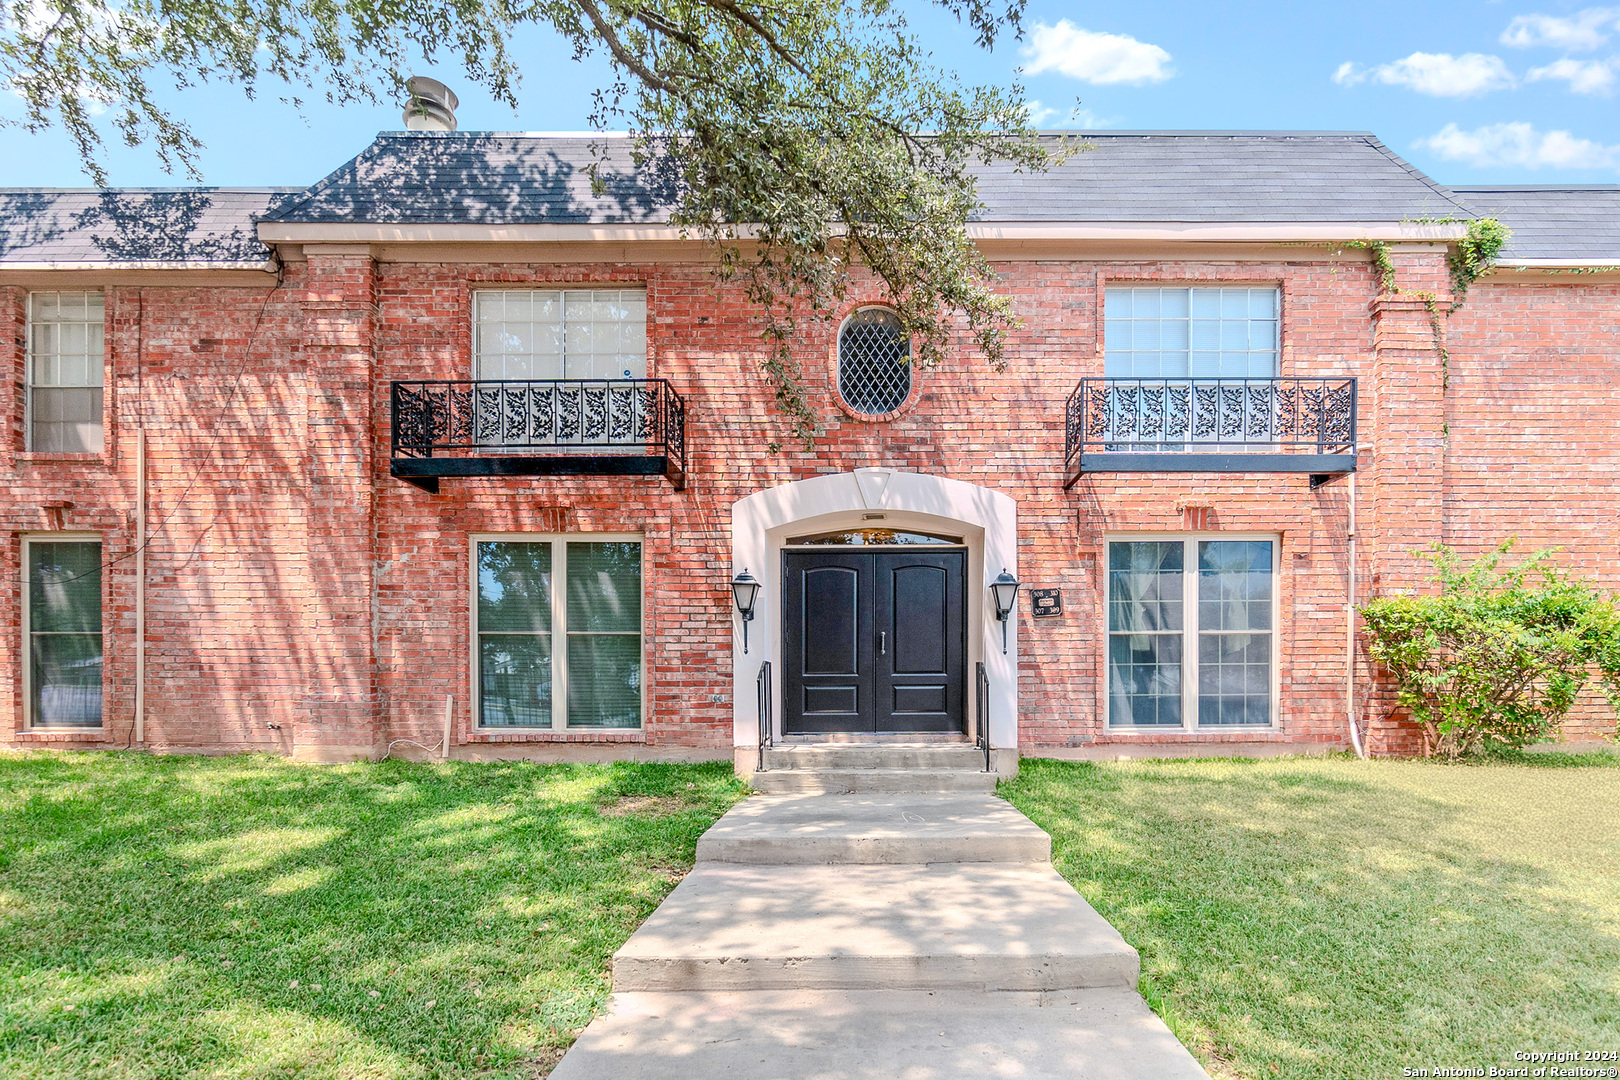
x: 520, y: 416
x: 762, y: 687
x: 1314, y: 416
x: 981, y: 688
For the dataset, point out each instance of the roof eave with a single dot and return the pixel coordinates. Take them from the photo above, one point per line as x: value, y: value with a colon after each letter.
x: 1558, y: 264
x: 267, y: 266
x: 349, y: 232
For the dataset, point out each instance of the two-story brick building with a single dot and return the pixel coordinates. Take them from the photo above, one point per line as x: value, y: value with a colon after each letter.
x: 451, y: 443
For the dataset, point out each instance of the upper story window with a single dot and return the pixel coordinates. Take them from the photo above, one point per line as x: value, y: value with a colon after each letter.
x: 1200, y: 333
x: 874, y: 362
x: 66, y: 359
x: 560, y: 334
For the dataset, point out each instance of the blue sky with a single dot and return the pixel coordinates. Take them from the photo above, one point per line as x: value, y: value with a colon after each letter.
x: 1508, y: 91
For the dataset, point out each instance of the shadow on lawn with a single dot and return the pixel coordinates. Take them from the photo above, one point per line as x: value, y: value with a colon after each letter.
x: 1345, y: 919
x: 247, y: 917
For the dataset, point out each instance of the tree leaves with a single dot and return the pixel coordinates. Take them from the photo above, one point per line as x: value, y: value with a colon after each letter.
x: 1492, y: 662
x: 811, y: 141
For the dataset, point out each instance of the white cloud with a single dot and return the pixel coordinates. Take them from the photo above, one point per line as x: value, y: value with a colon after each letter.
x: 1044, y: 116
x: 1436, y: 74
x: 1520, y: 144
x: 1583, y: 76
x: 1101, y: 59
x: 1584, y: 30
x: 1040, y: 115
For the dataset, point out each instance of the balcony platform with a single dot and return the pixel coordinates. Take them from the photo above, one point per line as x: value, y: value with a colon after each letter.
x: 1223, y: 426
x: 558, y: 427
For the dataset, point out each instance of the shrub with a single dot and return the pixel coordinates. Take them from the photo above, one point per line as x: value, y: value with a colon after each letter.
x: 1493, y: 661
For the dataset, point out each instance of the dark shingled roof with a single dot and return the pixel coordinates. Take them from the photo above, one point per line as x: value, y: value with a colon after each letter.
x: 511, y: 179
x: 1199, y: 176
x: 484, y: 178
x: 87, y: 225
x: 491, y: 178
x: 1579, y: 224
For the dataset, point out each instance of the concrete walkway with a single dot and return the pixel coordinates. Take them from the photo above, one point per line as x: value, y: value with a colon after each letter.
x: 892, y: 936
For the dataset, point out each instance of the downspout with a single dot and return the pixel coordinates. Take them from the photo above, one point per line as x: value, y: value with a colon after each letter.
x: 140, y: 584
x: 140, y: 521
x: 1350, y: 632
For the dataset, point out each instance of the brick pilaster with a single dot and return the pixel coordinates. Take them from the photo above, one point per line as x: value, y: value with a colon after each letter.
x: 339, y: 717
x: 1408, y: 422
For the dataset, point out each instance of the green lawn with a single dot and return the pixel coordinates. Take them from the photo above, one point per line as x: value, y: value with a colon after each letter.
x: 248, y: 917
x: 1336, y: 918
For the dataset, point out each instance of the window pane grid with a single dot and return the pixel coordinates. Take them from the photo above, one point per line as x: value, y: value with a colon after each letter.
x: 560, y: 334
x: 1210, y: 671
x: 66, y: 364
x: 1201, y: 332
x: 874, y: 362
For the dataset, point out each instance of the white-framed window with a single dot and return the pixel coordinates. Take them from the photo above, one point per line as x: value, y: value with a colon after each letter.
x: 1199, y: 332
x: 874, y: 362
x: 1192, y: 631
x: 557, y: 637
x: 62, y: 638
x: 560, y: 334
x: 66, y: 363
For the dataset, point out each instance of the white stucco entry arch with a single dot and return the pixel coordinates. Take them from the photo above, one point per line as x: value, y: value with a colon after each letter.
x: 986, y: 519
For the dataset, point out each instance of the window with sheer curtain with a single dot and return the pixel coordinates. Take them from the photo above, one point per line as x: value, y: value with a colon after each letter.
x: 558, y: 632
x: 66, y: 360
x: 1191, y: 632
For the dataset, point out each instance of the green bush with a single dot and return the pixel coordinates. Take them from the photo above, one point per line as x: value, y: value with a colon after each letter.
x: 1493, y: 661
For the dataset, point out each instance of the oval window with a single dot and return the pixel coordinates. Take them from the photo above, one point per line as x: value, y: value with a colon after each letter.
x: 874, y: 362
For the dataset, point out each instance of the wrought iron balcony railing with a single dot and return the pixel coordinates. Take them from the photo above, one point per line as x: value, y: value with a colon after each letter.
x: 547, y: 427
x: 1211, y: 425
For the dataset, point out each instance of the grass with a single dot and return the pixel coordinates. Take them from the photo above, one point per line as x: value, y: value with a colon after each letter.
x: 254, y: 918
x: 1336, y: 918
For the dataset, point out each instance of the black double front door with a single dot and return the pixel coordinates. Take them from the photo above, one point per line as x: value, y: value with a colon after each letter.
x: 874, y: 641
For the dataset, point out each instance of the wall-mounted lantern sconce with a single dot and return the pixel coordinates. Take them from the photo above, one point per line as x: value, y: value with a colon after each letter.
x: 744, y: 588
x: 1005, y: 591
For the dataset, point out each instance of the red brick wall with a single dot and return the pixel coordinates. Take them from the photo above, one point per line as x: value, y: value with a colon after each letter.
x: 1533, y: 449
x: 300, y: 600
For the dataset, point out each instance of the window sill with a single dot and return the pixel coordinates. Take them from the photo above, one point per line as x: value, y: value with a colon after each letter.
x: 1232, y: 734
x: 61, y: 735
x: 30, y: 457
x: 542, y: 735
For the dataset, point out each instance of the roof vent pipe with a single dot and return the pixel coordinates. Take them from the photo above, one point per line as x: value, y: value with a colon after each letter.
x: 432, y: 106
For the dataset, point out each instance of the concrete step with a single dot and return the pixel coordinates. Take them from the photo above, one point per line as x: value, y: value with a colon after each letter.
x: 878, y: 1035
x: 825, y: 829
x: 883, y: 756
x: 965, y: 926
x: 872, y: 781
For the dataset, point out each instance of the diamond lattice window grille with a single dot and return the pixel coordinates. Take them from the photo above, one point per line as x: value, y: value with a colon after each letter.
x: 874, y: 362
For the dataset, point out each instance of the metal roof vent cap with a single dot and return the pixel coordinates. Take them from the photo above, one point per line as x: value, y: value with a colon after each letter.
x: 432, y: 106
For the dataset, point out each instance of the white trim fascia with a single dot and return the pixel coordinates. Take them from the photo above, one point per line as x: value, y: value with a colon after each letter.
x: 1274, y: 232
x: 275, y: 232
x: 1555, y: 264
x: 267, y: 266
